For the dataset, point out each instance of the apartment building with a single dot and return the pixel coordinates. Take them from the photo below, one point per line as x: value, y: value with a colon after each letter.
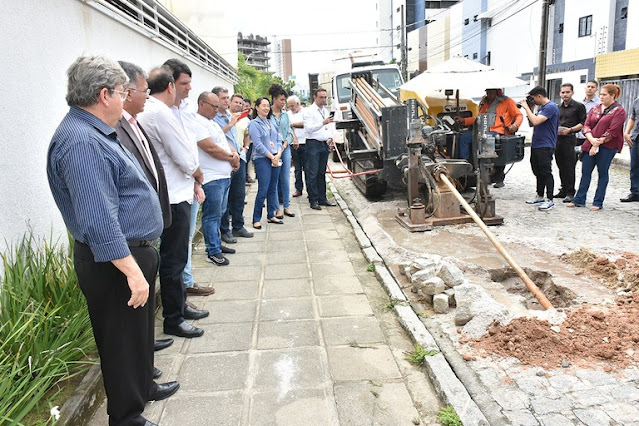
x: 255, y: 49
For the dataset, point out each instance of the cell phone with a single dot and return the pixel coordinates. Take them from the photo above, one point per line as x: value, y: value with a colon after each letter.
x: 332, y: 114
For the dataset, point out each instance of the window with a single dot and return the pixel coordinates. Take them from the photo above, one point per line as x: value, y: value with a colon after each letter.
x: 475, y: 18
x: 585, y: 26
x: 561, y: 28
x: 624, y: 13
x: 475, y: 55
x: 582, y: 78
x: 488, y: 59
x: 466, y: 21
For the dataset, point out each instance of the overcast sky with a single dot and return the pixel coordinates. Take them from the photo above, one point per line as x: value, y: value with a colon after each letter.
x: 325, y: 30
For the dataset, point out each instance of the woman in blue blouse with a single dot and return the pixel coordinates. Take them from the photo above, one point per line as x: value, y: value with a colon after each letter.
x: 280, y: 119
x: 267, y: 153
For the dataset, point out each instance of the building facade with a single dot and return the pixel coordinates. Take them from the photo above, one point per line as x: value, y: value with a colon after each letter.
x: 282, y: 63
x: 255, y: 49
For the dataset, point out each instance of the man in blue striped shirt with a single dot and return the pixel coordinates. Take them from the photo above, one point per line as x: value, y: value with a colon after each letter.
x: 114, y: 215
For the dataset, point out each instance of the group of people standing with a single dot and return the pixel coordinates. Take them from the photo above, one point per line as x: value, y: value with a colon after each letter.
x: 130, y: 165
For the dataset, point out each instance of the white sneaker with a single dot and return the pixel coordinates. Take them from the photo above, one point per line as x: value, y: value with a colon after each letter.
x: 546, y: 205
x: 536, y: 200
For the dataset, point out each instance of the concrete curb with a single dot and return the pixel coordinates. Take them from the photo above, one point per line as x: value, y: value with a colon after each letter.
x: 449, y: 388
x: 79, y: 408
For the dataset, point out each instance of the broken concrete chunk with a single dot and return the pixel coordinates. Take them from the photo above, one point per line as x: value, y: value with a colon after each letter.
x: 428, y: 263
x: 484, y: 310
x: 440, y: 303
x: 462, y: 315
x: 432, y: 286
x: 450, y: 292
x: 451, y: 274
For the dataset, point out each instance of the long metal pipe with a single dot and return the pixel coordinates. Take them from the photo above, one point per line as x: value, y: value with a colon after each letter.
x: 539, y: 295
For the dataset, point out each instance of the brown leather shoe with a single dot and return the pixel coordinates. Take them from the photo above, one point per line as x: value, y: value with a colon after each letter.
x: 298, y: 193
x: 198, y: 290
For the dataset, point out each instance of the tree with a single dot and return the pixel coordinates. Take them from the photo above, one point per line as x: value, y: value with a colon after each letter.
x: 253, y: 84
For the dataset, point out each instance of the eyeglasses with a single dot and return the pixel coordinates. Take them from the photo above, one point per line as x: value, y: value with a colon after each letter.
x: 214, y: 106
x: 147, y: 91
x: 123, y: 94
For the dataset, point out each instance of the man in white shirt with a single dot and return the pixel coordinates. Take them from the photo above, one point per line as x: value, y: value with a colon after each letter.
x: 184, y: 178
x: 319, y: 139
x: 296, y: 117
x: 218, y: 159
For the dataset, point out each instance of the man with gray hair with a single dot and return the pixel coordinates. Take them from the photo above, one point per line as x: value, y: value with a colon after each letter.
x: 114, y: 215
x: 296, y: 117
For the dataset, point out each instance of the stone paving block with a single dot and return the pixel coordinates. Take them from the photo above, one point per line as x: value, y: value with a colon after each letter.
x: 588, y: 398
x: 274, y: 247
x: 533, y: 385
x: 320, y: 226
x: 219, y: 409
x: 343, y: 331
x: 626, y: 392
x: 292, y: 257
x: 237, y: 273
x: 286, y: 309
x: 345, y: 305
x: 273, y: 289
x: 288, y: 227
x: 234, y: 290
x: 376, y: 363
x: 593, y: 417
x: 214, y: 372
x: 595, y: 378
x: 622, y: 412
x: 340, y: 269
x: 567, y: 383
x: 543, y: 405
x: 166, y: 365
x: 374, y: 404
x: 315, y: 218
x: 556, y: 420
x: 337, y: 285
x: 293, y: 408
x: 284, y: 370
x: 328, y: 256
x: 510, y: 399
x: 287, y: 334
x: 286, y: 236
x: 255, y: 245
x: 175, y: 348
x: 325, y: 245
x: 223, y: 337
x: 320, y: 235
x: 204, y: 274
x: 290, y: 270
x: 521, y: 418
x: 243, y: 258
x: 229, y: 311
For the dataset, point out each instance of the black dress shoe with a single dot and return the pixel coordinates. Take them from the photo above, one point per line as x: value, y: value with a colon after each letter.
x: 327, y: 203
x: 184, y: 329
x: 162, y: 344
x: 227, y: 250
x: 316, y: 206
x: 194, y: 314
x: 149, y: 423
x: 630, y: 198
x: 163, y: 391
x: 156, y: 373
x: 569, y: 199
x: 560, y: 194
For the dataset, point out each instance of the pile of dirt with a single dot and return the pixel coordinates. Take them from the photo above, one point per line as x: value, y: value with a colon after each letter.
x: 590, y: 335
x: 622, y: 273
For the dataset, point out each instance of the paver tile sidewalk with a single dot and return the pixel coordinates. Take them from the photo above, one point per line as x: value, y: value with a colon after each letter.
x: 297, y: 335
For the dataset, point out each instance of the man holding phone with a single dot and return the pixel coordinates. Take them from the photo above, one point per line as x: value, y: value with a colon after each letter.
x: 318, y: 124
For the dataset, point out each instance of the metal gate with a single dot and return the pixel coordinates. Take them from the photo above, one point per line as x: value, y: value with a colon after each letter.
x: 629, y: 91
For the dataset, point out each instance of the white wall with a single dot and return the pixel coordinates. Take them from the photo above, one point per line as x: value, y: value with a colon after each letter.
x: 384, y: 22
x: 600, y: 41
x: 40, y: 40
x: 632, y: 28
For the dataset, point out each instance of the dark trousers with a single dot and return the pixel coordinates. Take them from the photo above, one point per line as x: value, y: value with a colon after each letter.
x: 123, y: 335
x: 249, y: 154
x: 174, y: 253
x: 541, y: 163
x: 566, y: 161
x: 235, y: 205
x: 299, y: 156
x: 634, y: 167
x: 315, y: 170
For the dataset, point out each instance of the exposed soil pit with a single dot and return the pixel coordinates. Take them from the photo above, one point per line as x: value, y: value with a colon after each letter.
x: 619, y: 274
x: 559, y: 296
x: 606, y: 336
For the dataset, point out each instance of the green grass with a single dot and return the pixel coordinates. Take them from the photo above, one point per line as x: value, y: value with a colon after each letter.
x: 447, y: 416
x: 370, y: 267
x: 45, y: 332
x: 418, y: 355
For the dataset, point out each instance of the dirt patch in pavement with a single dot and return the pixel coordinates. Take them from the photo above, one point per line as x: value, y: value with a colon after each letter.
x: 619, y: 274
x: 605, y: 336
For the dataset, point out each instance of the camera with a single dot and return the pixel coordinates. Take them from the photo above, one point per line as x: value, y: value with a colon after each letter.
x: 530, y: 101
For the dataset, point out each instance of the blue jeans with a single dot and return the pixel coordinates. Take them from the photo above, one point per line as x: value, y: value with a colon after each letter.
x: 235, y: 207
x: 217, y: 193
x: 267, y: 178
x: 315, y: 170
x: 634, y: 167
x: 465, y: 145
x: 187, y: 277
x: 285, y: 178
x: 602, y: 160
x: 299, y: 155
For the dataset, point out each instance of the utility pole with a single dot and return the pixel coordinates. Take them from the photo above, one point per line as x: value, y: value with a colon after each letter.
x: 543, y: 44
x: 403, y: 47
